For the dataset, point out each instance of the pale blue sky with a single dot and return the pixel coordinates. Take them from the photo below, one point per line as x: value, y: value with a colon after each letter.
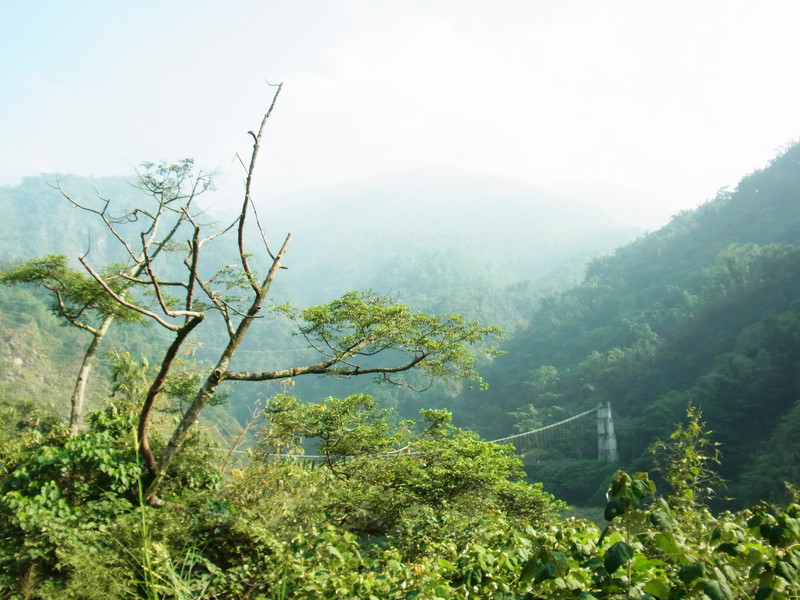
x: 669, y: 100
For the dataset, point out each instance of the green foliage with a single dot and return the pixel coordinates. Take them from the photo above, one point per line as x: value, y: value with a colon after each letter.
x: 652, y: 549
x: 62, y: 492
x: 349, y: 427
x: 75, y: 295
x: 173, y: 182
x: 403, y: 510
x: 362, y: 324
x: 131, y: 378
x: 581, y: 482
x: 376, y: 476
x: 66, y: 495
x: 73, y: 524
x: 704, y: 311
x: 685, y: 462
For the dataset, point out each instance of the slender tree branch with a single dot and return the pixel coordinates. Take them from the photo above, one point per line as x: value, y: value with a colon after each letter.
x: 194, y: 252
x: 222, y: 306
x: 148, y: 269
x: 239, y: 439
x: 65, y: 312
x: 161, y: 282
x: 323, y: 368
x: 247, y: 190
x: 267, y: 283
x: 263, y: 235
x: 102, y: 215
x: 124, y: 302
x: 216, y: 234
x: 216, y: 377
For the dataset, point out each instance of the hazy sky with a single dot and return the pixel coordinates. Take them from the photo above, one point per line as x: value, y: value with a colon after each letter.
x: 671, y: 100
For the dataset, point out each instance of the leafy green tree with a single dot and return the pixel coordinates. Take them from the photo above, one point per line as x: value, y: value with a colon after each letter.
x: 82, y: 303
x: 93, y: 303
x: 687, y: 464
x: 377, y: 476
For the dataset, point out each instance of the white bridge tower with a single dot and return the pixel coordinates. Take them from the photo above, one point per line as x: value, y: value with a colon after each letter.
x: 606, y: 437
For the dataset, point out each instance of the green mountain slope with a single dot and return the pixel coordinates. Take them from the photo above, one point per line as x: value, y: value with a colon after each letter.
x: 705, y: 310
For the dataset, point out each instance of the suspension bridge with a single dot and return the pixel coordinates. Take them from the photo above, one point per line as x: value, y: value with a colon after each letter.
x: 588, y: 435
x: 573, y: 437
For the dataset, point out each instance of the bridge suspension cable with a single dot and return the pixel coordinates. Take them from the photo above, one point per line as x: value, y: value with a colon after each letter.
x: 519, y: 437
x: 544, y: 443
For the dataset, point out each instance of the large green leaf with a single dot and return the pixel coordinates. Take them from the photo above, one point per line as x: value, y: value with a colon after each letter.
x: 616, y: 556
x: 614, y: 508
x: 763, y: 593
x: 691, y: 573
x: 662, y: 520
x: 787, y: 571
x: 717, y: 590
x: 529, y: 570
x: 656, y: 588
x: 545, y: 572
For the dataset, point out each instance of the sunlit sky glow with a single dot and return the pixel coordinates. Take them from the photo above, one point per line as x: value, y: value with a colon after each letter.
x: 665, y: 101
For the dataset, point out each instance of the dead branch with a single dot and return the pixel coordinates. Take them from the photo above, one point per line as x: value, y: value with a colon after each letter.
x: 101, y: 214
x: 127, y: 304
x: 247, y: 190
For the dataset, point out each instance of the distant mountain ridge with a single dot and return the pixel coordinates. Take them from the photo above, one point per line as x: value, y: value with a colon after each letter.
x: 512, y: 231
x: 523, y: 232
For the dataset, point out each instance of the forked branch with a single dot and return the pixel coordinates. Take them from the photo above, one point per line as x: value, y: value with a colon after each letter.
x: 247, y: 193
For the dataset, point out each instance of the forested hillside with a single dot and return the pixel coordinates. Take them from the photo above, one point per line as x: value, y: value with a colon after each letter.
x: 154, y: 491
x: 703, y: 311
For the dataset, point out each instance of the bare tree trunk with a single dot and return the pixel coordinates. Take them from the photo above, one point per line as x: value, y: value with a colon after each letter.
x: 155, y: 388
x: 79, y: 393
x: 213, y: 381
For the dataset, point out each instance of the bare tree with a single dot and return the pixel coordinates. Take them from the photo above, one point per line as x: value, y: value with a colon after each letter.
x: 360, y: 333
